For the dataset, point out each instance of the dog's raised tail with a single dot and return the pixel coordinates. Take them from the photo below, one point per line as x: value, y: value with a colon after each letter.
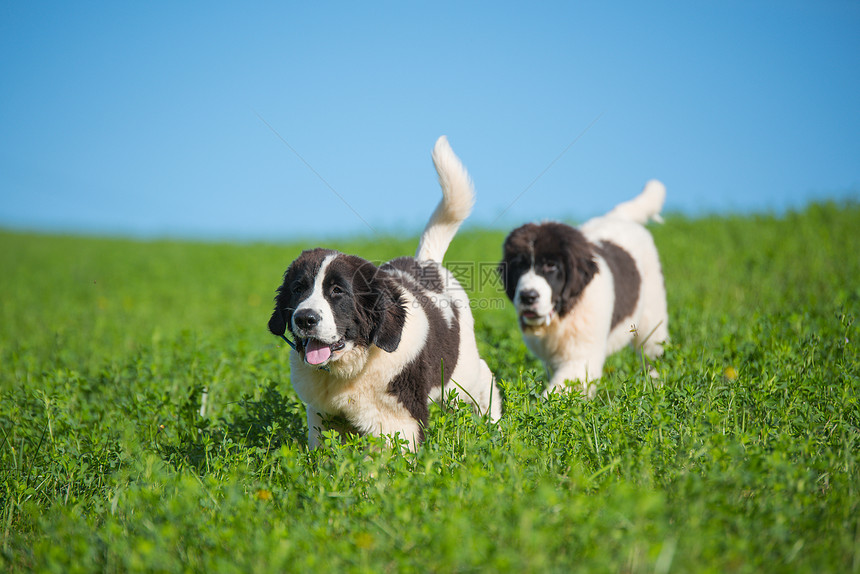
x: 645, y: 206
x: 458, y: 197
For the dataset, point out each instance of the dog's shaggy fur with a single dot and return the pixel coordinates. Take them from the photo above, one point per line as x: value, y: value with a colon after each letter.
x: 375, y: 344
x: 582, y: 294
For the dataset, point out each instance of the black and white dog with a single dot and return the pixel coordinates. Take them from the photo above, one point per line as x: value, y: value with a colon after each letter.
x: 582, y: 294
x: 375, y: 344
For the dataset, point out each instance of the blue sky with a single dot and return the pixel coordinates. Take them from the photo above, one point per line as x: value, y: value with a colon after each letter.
x: 285, y: 119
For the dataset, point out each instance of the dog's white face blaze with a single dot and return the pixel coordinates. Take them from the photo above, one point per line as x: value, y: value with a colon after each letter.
x: 538, y: 311
x: 326, y: 329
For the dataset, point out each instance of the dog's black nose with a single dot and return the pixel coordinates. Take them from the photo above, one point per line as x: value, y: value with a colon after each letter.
x: 306, y: 318
x: 528, y: 296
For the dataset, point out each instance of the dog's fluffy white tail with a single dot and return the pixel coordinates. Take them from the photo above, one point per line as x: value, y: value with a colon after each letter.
x: 645, y: 206
x: 458, y: 197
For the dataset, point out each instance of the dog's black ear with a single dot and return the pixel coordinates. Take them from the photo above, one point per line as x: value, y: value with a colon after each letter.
x: 391, y: 318
x: 579, y: 267
x: 378, y: 303
x: 509, y: 270
x: 517, y: 254
x: 502, y: 272
x: 277, y: 322
x: 580, y: 271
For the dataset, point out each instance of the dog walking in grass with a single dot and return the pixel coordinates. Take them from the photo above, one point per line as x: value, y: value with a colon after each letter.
x: 373, y: 345
x: 583, y: 293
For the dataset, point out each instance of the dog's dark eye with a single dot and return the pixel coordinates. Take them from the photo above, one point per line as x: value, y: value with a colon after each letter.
x: 550, y: 266
x: 336, y: 290
x: 297, y: 288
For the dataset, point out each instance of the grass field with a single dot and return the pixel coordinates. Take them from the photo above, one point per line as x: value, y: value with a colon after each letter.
x: 148, y: 422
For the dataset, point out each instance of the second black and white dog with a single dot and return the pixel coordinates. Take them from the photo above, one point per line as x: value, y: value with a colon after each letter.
x: 375, y: 344
x: 582, y: 294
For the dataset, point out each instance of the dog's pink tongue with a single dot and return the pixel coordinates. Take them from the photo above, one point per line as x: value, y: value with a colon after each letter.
x: 316, y: 352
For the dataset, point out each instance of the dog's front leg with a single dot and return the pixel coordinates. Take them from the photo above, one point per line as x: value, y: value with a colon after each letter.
x: 315, y: 427
x: 579, y: 375
x: 405, y: 429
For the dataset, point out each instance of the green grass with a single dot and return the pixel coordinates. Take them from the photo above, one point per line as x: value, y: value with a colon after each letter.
x: 744, y: 459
